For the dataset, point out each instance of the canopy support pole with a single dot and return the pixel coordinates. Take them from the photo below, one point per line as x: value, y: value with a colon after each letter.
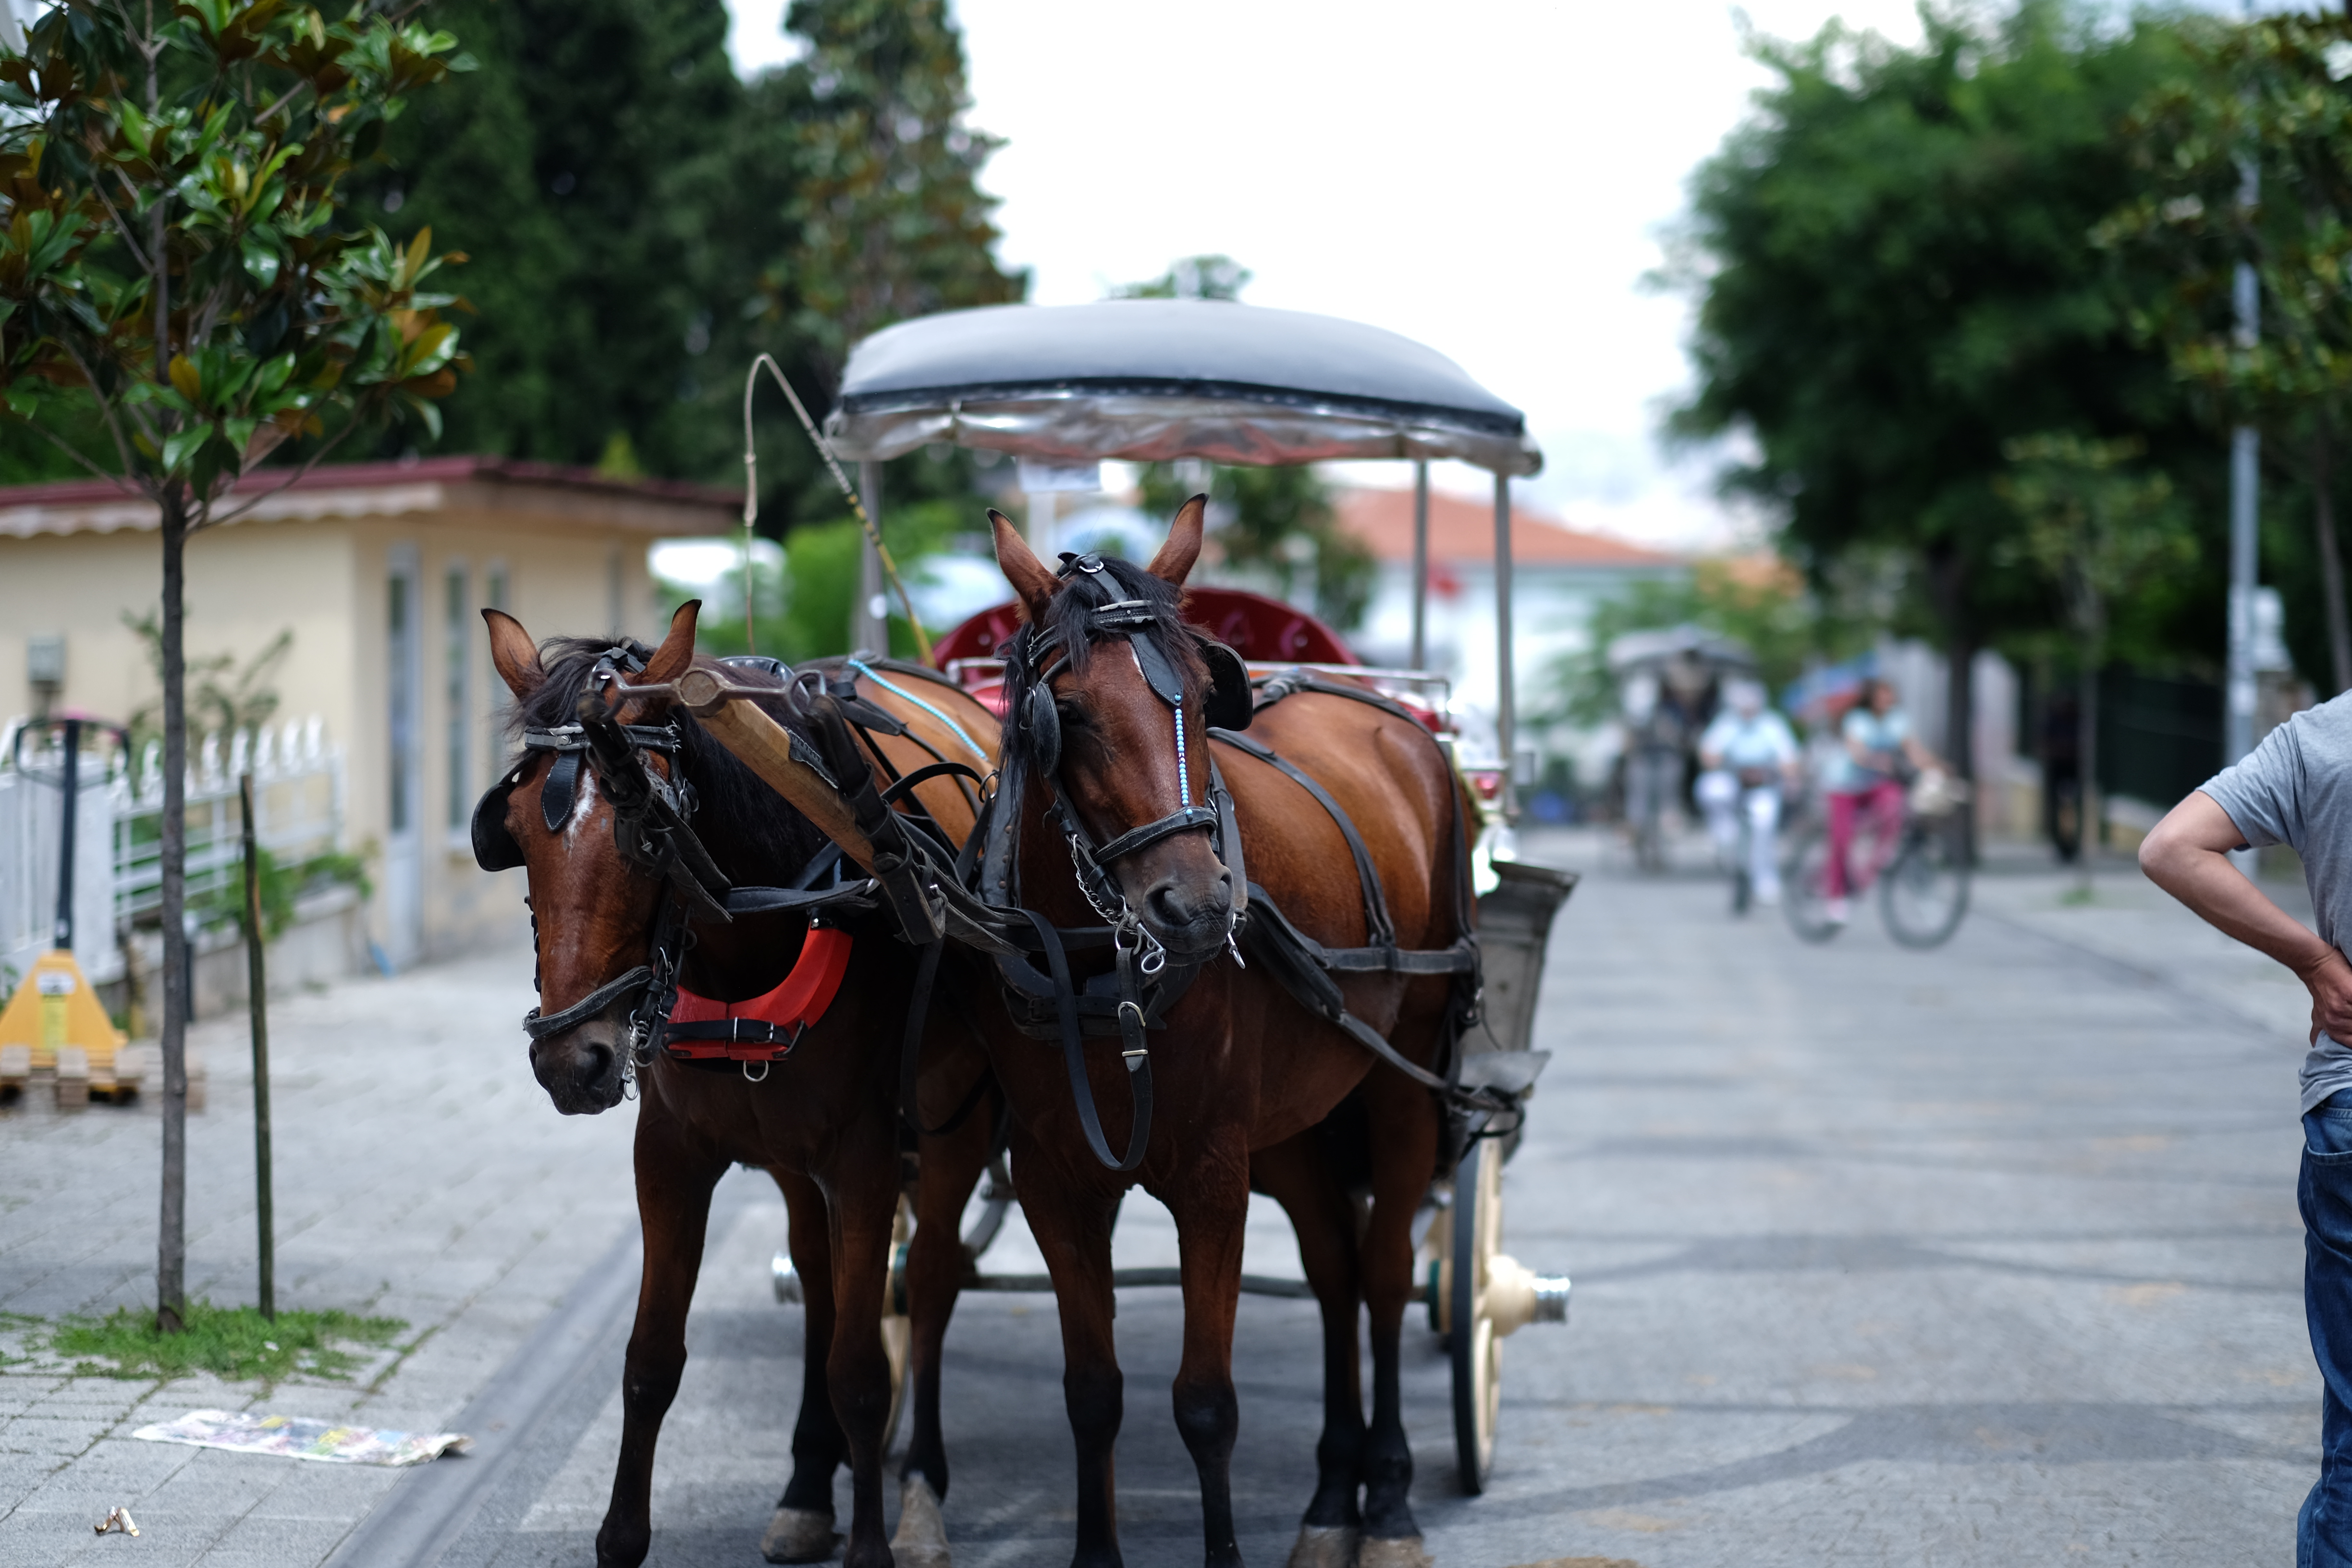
x: 1505, y: 716
x: 867, y: 630
x: 1420, y: 659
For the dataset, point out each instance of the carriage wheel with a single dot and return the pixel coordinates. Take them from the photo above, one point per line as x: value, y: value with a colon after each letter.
x: 897, y: 1331
x: 1476, y: 1349
x: 1479, y: 1295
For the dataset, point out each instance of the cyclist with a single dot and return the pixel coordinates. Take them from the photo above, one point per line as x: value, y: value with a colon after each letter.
x: 1865, y: 782
x: 1750, y: 755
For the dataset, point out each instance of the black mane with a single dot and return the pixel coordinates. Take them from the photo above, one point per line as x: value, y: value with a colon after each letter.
x: 738, y: 817
x: 1068, y: 618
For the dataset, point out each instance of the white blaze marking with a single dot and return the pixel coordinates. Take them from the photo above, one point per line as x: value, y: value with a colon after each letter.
x: 582, y: 801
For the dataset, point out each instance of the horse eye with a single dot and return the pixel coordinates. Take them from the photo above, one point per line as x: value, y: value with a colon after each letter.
x: 1072, y: 715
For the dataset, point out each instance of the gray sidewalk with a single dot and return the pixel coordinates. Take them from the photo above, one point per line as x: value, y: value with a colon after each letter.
x: 421, y: 1175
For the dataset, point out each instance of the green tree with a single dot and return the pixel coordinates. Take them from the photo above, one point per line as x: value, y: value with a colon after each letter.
x: 596, y: 167
x: 177, y: 275
x: 2249, y: 159
x: 1212, y: 277
x: 1894, y: 278
x: 892, y: 221
x: 1277, y: 523
x: 2097, y: 529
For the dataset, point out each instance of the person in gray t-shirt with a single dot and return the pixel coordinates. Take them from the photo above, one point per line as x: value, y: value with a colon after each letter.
x: 2295, y: 788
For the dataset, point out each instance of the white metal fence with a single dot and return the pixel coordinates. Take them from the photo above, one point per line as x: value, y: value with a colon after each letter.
x: 299, y: 809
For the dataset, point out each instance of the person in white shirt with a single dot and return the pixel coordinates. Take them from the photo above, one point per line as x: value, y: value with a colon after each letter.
x: 1750, y: 755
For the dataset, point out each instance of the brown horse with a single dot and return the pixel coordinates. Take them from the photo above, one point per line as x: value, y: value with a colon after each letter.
x: 824, y: 1122
x: 1246, y: 1080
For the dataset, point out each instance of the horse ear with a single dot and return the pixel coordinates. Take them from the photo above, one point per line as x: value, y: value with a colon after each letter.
x: 1174, y: 562
x: 669, y: 660
x: 1032, y: 579
x: 513, y: 654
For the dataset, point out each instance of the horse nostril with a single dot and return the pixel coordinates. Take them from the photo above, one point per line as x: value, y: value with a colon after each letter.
x: 1164, y: 906
x: 595, y: 1060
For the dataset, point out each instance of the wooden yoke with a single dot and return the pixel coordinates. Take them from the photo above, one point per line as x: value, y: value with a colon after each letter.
x: 766, y: 748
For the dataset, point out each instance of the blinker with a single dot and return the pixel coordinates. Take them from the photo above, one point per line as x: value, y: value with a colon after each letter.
x: 495, y: 848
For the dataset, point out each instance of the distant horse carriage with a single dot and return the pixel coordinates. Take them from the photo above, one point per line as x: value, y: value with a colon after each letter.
x: 1161, y: 885
x: 1669, y: 686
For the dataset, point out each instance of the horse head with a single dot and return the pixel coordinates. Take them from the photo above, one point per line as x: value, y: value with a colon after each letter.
x: 1109, y: 698
x: 596, y: 904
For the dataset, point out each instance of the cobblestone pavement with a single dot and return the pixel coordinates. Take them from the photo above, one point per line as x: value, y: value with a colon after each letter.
x: 1986, y: 1255
x: 420, y: 1174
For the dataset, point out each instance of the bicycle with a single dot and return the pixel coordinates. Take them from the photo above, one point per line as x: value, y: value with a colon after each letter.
x: 1923, y: 885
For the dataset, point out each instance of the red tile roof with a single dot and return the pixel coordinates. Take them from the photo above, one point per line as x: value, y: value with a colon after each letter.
x: 1463, y: 532
x: 362, y: 475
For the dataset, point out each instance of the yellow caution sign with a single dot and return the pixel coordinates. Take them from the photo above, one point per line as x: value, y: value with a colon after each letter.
x: 57, y: 1005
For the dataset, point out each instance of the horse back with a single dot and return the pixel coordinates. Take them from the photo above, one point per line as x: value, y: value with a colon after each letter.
x: 1395, y: 784
x: 944, y: 724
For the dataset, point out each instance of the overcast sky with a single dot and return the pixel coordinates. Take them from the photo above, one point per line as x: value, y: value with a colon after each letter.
x: 1489, y: 178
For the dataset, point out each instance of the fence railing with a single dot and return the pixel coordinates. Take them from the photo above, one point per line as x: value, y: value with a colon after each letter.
x: 299, y: 814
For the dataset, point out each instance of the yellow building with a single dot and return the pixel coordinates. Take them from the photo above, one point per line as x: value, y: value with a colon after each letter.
x: 379, y: 570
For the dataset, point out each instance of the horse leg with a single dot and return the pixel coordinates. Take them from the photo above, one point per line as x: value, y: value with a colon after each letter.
x: 1211, y: 1203
x: 802, y: 1530
x: 1404, y: 1120
x: 935, y: 1269
x: 1296, y: 1175
x: 1072, y: 1225
x: 862, y: 1196
x: 674, y: 1176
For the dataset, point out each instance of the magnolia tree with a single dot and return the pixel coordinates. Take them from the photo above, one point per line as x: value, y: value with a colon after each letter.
x: 181, y: 294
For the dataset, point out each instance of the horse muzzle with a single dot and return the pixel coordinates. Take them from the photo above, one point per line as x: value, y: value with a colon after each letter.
x: 581, y: 1069
x: 1189, y: 915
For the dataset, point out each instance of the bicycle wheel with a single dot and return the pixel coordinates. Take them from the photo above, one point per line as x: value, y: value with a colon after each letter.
x: 1805, y: 886
x: 1923, y: 895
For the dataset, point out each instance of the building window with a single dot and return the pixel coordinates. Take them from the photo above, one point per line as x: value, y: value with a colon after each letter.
x: 402, y: 636
x: 459, y: 686
x: 497, y: 596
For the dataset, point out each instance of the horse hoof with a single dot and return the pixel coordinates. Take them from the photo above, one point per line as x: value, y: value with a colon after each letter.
x: 922, y: 1538
x: 1404, y: 1551
x: 800, y: 1535
x: 1325, y: 1546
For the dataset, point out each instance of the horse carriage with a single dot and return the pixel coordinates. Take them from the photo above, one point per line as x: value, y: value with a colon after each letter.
x: 1107, y: 928
x: 1669, y: 686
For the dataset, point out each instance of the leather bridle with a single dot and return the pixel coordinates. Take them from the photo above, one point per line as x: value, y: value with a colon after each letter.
x: 1135, y: 623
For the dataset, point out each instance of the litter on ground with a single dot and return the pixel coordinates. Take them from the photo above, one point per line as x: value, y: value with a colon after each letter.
x: 295, y: 1437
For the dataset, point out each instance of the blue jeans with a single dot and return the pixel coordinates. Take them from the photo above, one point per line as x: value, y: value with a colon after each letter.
x: 2323, y: 1535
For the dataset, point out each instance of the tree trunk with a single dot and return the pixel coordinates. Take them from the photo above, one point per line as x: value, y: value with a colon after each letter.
x: 2090, y: 813
x: 1948, y: 589
x: 1959, y: 731
x: 171, y: 1231
x: 2331, y: 560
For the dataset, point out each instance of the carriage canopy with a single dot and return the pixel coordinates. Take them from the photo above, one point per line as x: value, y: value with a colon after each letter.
x: 1153, y: 380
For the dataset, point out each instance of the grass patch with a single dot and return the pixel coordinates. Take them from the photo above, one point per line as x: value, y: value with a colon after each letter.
x: 232, y: 1342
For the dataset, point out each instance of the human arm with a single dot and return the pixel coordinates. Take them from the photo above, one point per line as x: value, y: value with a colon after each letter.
x: 2187, y: 855
x: 1926, y: 760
